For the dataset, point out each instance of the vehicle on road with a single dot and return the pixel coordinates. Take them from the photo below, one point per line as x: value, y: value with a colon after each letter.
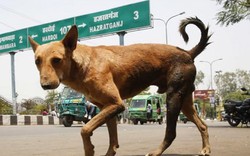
x: 138, y: 109
x: 71, y: 106
x: 237, y: 111
x: 184, y: 119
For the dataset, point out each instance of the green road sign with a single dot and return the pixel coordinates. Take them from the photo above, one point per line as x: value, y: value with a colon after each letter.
x: 125, y: 18
x: 13, y: 41
x: 53, y: 31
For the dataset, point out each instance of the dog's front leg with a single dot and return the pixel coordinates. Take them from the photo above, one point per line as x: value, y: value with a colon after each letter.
x: 106, y: 115
x: 113, y: 139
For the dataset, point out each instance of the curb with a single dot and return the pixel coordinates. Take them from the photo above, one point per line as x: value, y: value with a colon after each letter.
x: 6, y: 120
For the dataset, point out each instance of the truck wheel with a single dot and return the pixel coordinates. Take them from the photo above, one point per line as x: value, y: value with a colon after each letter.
x: 141, y: 122
x: 67, y: 122
x: 184, y: 121
x: 135, y: 122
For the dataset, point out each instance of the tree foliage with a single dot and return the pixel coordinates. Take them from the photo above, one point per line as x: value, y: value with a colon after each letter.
x: 237, y: 95
x: 5, y: 108
x: 233, y: 11
x: 28, y: 104
x: 31, y: 107
x: 50, y: 97
x: 231, y: 82
x: 199, y: 78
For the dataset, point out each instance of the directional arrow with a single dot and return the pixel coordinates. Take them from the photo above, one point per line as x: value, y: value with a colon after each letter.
x: 82, y: 25
x: 34, y: 36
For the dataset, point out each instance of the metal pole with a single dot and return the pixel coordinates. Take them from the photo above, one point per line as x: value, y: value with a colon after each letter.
x: 211, y: 85
x: 166, y: 23
x: 13, y: 83
x: 121, y: 37
x: 211, y: 71
x: 211, y: 74
x: 166, y: 30
x: 121, y: 43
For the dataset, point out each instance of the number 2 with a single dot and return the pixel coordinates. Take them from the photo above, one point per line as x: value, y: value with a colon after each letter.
x: 20, y: 39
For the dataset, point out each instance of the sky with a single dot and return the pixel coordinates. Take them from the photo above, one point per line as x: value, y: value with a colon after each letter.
x: 231, y: 44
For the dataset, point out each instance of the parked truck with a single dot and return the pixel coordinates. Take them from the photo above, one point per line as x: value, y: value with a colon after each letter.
x: 139, y: 105
x: 71, y: 106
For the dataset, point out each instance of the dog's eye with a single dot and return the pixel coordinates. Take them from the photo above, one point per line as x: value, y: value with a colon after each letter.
x: 38, y: 61
x: 56, y: 60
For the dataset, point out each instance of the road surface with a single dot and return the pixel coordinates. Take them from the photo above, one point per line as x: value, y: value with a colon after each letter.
x: 134, y: 140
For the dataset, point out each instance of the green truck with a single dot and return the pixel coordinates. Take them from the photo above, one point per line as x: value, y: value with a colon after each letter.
x: 71, y: 106
x: 138, y: 109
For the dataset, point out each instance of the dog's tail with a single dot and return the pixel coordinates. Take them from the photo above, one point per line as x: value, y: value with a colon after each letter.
x: 204, y: 35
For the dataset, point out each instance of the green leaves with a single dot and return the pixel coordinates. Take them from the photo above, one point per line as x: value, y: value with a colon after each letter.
x: 233, y: 11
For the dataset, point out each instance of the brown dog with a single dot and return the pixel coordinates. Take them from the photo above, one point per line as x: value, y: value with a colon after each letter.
x: 108, y: 74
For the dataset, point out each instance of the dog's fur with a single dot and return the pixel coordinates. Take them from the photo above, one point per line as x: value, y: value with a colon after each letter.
x: 108, y: 74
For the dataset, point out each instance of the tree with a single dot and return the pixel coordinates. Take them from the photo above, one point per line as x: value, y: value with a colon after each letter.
x: 233, y: 11
x: 49, y: 99
x: 32, y: 108
x: 230, y: 82
x: 237, y: 95
x: 199, y: 78
x: 243, y: 78
x: 28, y: 104
x: 5, y: 108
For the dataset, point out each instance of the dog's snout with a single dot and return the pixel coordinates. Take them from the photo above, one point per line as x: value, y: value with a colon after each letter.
x: 46, y: 87
x: 51, y: 85
x: 49, y: 80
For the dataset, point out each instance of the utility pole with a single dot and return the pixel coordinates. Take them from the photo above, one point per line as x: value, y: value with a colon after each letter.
x: 166, y: 23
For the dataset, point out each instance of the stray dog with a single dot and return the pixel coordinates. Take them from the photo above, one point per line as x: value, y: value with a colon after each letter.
x: 108, y: 74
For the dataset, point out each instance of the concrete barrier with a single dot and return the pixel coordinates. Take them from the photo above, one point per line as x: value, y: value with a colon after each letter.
x: 6, y: 120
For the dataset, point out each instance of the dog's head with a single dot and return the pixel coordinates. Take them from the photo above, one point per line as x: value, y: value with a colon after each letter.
x: 53, y: 60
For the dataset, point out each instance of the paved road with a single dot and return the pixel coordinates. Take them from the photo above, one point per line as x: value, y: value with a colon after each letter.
x: 135, y: 140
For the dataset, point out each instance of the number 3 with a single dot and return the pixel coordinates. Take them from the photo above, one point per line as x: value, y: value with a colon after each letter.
x: 136, y: 13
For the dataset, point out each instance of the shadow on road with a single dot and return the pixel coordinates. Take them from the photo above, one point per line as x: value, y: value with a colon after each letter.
x: 168, y: 155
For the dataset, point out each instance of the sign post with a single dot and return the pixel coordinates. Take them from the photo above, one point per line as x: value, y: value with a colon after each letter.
x: 121, y: 37
x: 13, y: 82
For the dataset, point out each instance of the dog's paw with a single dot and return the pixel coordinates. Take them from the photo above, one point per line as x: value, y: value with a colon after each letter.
x: 205, y: 152
x: 152, y: 154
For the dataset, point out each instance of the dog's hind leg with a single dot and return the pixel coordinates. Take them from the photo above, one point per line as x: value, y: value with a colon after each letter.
x: 113, y: 139
x: 189, y: 110
x: 173, y: 110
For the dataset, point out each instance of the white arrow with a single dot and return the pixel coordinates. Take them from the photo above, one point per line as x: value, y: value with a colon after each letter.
x: 82, y: 25
x: 33, y: 36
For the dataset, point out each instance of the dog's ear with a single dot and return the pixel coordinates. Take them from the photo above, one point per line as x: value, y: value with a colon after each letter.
x: 70, y: 40
x: 33, y: 44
